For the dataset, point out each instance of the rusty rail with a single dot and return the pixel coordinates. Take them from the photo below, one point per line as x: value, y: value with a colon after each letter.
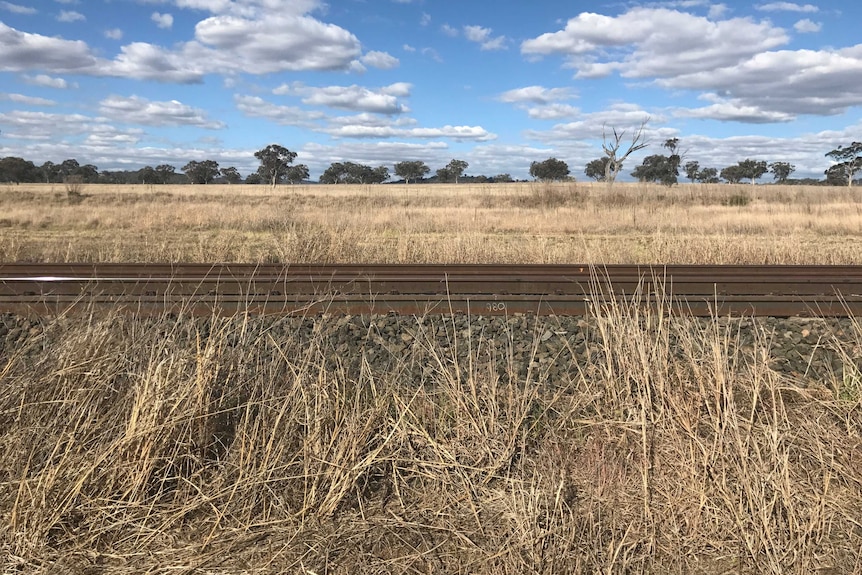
x: 203, y: 289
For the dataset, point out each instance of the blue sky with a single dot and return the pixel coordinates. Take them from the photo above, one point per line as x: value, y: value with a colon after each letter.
x: 499, y: 83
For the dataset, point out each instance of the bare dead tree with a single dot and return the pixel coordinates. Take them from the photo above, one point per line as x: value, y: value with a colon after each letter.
x: 612, y: 150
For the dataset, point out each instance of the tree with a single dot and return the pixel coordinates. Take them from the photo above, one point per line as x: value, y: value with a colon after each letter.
x: 732, y: 174
x: 411, y: 170
x: 849, y: 162
x: 274, y: 163
x: 502, y: 179
x: 89, y: 173
x: 69, y: 168
x: 201, y: 172
x: 455, y: 169
x: 781, y: 171
x: 612, y: 150
x: 597, y: 169
x: 656, y: 168
x: 253, y: 178
x: 551, y: 169
x: 708, y: 176
x: 753, y: 169
x: 352, y: 173
x: 13, y: 169
x: 297, y: 174
x: 165, y: 173
x: 51, y: 172
x: 148, y: 175
x: 691, y: 170
x: 231, y: 174
x: 659, y: 168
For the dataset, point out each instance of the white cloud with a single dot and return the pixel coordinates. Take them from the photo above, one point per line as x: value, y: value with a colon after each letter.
x: 647, y: 50
x: 536, y: 95
x: 17, y: 8
x: 807, y: 26
x: 622, y: 116
x: 734, y: 111
x: 114, y: 34
x: 786, y: 7
x: 357, y: 98
x: 449, y: 30
x: 48, y: 82
x: 483, y: 37
x: 27, y: 100
x: 458, y: 133
x: 797, y: 82
x: 137, y: 110
x: 256, y: 107
x: 163, y: 21
x: 425, y: 20
x: 432, y: 53
x: 70, y: 16
x: 553, y: 112
x: 380, y: 60
x: 24, y: 51
x: 408, y: 48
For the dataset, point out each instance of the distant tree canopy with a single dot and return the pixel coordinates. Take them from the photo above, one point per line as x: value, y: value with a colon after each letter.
x: 597, y: 169
x: 781, y: 171
x: 201, y: 172
x: 275, y: 160
x: 848, y: 161
x: 13, y: 169
x: 411, y: 170
x: 452, y: 172
x: 231, y: 174
x: 660, y: 168
x: 550, y: 170
x: 297, y: 174
x: 352, y: 173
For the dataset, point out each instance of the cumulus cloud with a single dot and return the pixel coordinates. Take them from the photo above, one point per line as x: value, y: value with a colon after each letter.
x: 545, y: 102
x: 27, y: 100
x: 256, y: 107
x: 355, y: 98
x: 536, y: 95
x: 739, y: 58
x: 787, y: 7
x: 114, y: 34
x: 807, y: 26
x: 48, y: 82
x: 137, y: 110
x: 483, y: 37
x: 70, y: 16
x: 648, y: 51
x: 734, y: 111
x: 622, y: 116
x: 458, y: 133
x: 17, y: 8
x: 380, y: 60
x: 163, y: 21
x: 24, y: 51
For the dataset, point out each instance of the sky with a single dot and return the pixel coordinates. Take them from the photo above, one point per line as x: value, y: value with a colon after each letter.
x: 498, y: 83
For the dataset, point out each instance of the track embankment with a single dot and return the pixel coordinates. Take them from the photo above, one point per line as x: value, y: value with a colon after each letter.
x: 561, y: 290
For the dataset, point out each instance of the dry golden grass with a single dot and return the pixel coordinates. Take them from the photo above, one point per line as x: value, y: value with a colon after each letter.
x: 239, y: 446
x: 517, y: 223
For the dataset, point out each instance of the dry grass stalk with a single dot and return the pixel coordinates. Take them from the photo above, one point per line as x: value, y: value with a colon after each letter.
x: 516, y: 223
x: 239, y: 445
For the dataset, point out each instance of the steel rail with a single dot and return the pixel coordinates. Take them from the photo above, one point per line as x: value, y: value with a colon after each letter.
x: 204, y: 289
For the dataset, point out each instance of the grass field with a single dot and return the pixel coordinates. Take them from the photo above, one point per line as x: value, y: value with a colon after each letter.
x: 247, y: 445
x: 517, y: 223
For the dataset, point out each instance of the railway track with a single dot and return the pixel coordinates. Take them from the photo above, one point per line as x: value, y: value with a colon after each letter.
x: 204, y: 289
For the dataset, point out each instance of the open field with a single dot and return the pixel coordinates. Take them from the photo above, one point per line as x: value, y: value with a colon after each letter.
x: 622, y: 442
x: 626, y: 442
x: 503, y: 223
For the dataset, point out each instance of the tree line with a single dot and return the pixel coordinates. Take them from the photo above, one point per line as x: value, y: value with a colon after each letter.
x: 277, y: 167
